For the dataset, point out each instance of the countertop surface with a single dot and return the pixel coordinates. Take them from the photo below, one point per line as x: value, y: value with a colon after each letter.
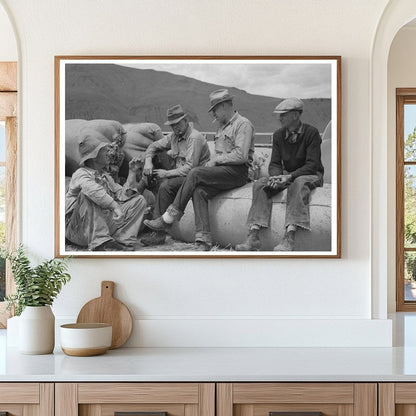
x: 397, y: 363
x: 214, y: 364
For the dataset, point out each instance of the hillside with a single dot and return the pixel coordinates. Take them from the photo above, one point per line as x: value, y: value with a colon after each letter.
x: 129, y: 95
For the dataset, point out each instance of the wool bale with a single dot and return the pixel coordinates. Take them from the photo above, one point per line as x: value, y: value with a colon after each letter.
x: 72, y: 136
x: 108, y: 131
x: 228, y: 213
x: 132, y: 149
x: 138, y: 138
x: 113, y: 130
x: 149, y: 130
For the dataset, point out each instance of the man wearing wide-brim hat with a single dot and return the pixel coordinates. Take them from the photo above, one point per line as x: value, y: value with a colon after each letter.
x: 295, y: 165
x: 227, y: 169
x: 100, y: 214
x: 188, y: 148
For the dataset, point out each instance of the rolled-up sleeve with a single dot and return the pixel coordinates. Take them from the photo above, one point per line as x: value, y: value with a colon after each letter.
x: 159, y: 146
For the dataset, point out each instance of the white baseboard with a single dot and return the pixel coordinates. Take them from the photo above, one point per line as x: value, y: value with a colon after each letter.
x: 255, y: 332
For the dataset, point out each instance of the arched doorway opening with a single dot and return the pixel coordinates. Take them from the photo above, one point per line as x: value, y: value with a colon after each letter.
x: 396, y: 15
x: 401, y: 124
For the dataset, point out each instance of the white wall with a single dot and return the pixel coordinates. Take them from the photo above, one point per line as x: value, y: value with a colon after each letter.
x: 203, y: 302
x: 401, y: 74
x: 8, y: 46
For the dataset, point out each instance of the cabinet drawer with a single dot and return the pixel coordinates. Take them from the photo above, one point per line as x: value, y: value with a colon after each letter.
x: 107, y: 399
x: 397, y: 399
x: 268, y: 399
x: 21, y: 399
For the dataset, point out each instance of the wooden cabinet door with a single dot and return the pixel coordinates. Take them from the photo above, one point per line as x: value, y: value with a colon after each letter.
x: 143, y: 399
x: 397, y: 399
x: 297, y: 399
x: 26, y: 399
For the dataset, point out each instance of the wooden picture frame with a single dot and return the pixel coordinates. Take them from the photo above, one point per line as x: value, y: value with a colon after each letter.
x: 98, y: 94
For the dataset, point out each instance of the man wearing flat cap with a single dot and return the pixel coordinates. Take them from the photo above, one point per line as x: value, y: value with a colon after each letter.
x: 295, y: 165
x: 188, y: 148
x: 227, y: 169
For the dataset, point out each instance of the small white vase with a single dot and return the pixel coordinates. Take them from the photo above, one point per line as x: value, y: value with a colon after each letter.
x: 37, y: 330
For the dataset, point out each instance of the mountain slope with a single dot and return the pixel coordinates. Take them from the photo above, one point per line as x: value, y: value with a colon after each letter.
x: 129, y: 95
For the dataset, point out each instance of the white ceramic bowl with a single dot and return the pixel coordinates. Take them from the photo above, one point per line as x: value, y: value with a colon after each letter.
x: 85, y: 339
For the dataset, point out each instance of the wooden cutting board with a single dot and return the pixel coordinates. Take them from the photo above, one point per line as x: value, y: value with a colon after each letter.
x: 108, y: 310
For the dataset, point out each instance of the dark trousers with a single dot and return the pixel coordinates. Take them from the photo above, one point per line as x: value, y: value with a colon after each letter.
x: 166, y: 193
x: 202, y: 184
x: 297, y: 206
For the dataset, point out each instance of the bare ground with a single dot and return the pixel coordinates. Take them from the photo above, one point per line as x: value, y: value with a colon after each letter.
x: 170, y: 245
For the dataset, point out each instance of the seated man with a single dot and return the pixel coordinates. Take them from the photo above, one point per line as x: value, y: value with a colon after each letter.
x: 295, y: 164
x: 99, y: 213
x: 227, y: 169
x: 189, y: 149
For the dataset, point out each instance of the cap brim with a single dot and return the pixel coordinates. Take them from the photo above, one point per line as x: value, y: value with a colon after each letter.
x: 177, y: 120
x: 281, y: 111
x: 287, y: 111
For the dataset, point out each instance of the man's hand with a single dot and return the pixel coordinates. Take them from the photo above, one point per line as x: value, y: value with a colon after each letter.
x: 284, y: 178
x: 135, y: 164
x: 117, y: 214
x: 148, y: 167
x: 161, y: 173
x: 272, y: 182
x: 275, y: 181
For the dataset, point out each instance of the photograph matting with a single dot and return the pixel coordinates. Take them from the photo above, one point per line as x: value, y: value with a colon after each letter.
x: 129, y: 104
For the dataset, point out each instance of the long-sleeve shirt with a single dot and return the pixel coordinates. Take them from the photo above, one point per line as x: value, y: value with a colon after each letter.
x: 188, y: 151
x: 234, y: 142
x: 97, y: 186
x: 298, y: 157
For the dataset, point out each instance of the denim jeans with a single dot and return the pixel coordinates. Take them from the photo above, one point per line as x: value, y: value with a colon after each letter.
x: 166, y: 193
x: 297, y: 206
x: 202, y: 184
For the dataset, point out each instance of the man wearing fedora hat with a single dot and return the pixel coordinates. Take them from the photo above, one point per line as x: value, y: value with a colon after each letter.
x: 188, y: 148
x: 227, y: 169
x: 295, y: 165
x: 99, y: 213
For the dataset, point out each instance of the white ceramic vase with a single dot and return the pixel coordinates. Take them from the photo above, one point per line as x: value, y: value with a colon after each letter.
x: 37, y: 330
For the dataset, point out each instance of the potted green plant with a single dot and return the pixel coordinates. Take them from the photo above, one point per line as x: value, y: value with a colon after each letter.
x: 36, y: 289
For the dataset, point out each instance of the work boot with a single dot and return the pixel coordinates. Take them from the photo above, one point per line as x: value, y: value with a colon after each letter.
x: 157, y: 225
x: 202, y: 246
x: 155, y: 238
x: 287, y: 243
x: 251, y: 244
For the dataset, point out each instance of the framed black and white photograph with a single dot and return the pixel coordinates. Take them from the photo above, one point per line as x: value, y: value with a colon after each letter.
x: 198, y: 156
